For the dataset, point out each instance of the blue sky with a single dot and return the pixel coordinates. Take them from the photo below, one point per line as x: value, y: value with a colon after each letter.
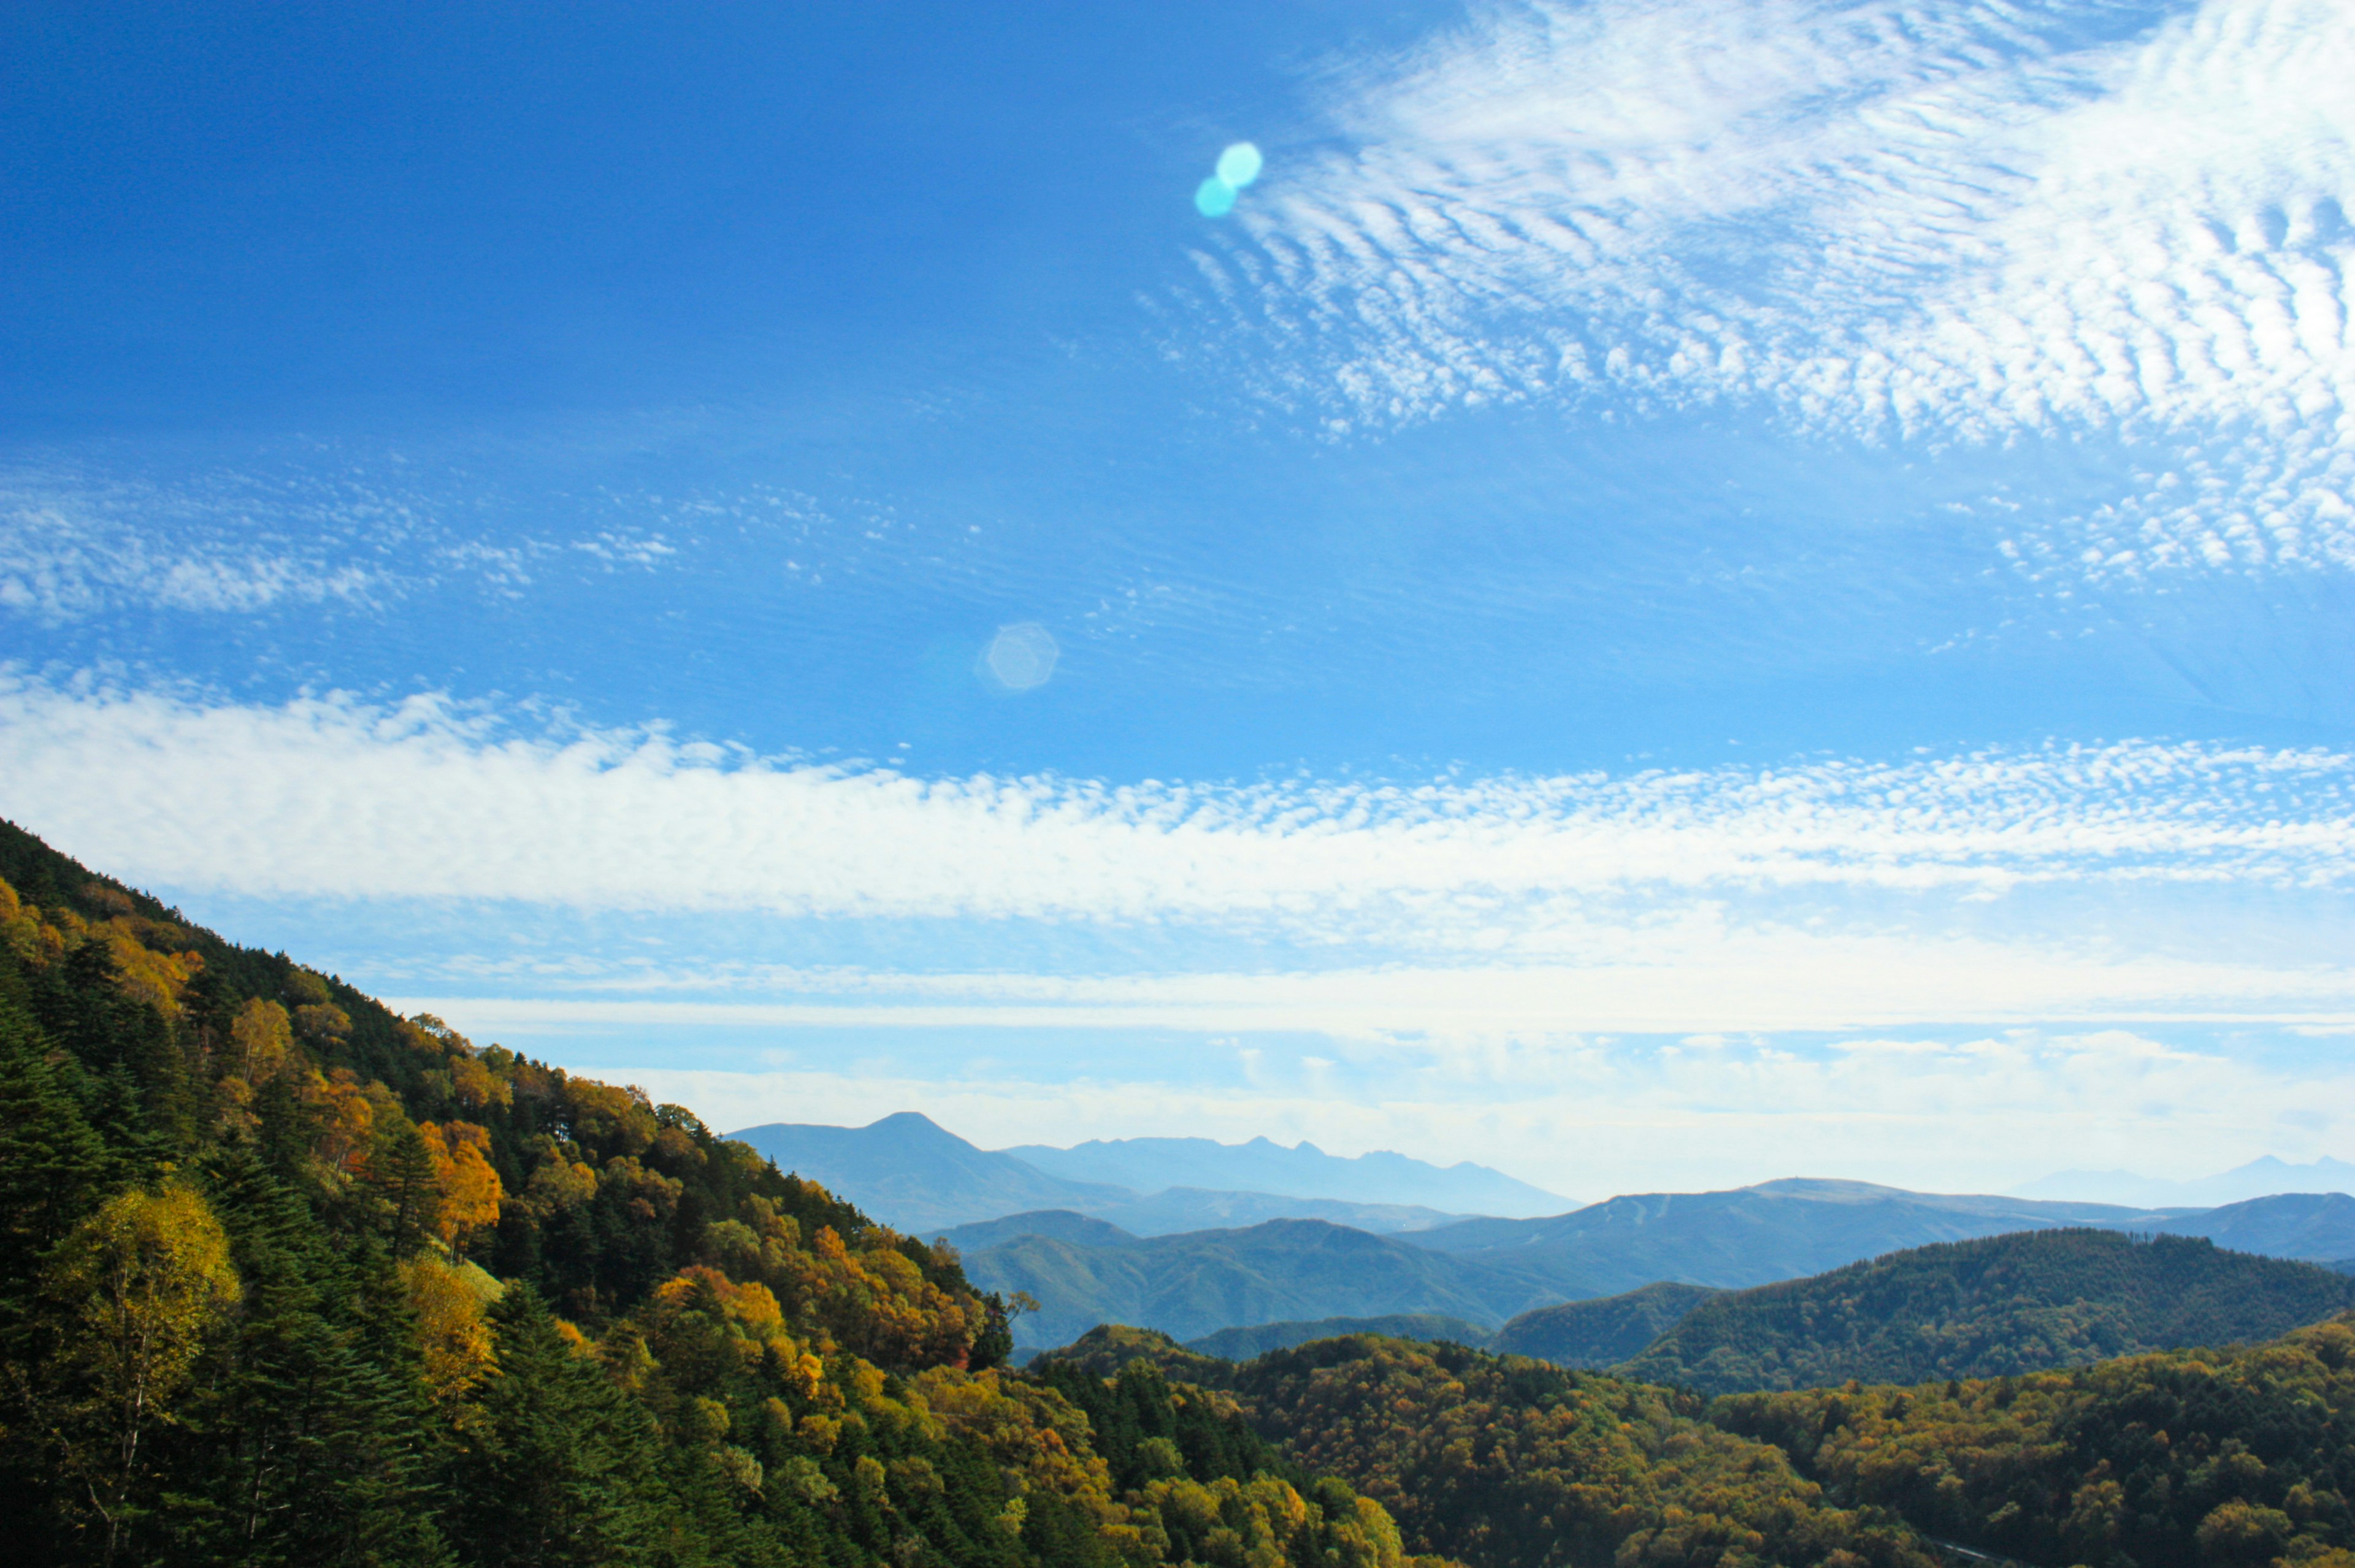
x: 1680, y: 593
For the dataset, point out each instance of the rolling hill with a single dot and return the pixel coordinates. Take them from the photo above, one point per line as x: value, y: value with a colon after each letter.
x: 1195, y: 1284
x: 1751, y: 1235
x: 1242, y: 1344
x: 2318, y: 1226
x: 1603, y: 1332
x: 1992, y: 1307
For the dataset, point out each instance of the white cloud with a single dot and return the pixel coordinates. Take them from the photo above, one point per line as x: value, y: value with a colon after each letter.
x: 1827, y: 895
x: 62, y: 563
x: 331, y: 796
x: 1964, y: 221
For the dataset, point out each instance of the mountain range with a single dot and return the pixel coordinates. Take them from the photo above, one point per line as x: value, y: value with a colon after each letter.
x: 1085, y: 1271
x: 2258, y: 1178
x: 912, y: 1173
x: 1153, y: 1165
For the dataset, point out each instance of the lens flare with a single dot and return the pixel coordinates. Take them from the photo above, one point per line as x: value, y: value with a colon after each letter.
x: 1021, y: 656
x: 1214, y: 198
x: 1240, y: 165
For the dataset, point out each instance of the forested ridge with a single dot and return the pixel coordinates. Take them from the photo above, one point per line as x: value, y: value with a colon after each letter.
x: 285, y: 1278
x: 2242, y: 1458
x: 2022, y: 1303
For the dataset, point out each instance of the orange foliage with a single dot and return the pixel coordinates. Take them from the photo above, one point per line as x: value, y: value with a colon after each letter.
x: 461, y: 1170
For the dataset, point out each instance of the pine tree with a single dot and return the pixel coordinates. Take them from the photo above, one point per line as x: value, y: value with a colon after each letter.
x: 310, y: 1446
x: 561, y: 1467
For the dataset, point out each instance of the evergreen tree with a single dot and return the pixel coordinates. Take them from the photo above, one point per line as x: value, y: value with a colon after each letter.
x: 561, y: 1467
x: 308, y: 1448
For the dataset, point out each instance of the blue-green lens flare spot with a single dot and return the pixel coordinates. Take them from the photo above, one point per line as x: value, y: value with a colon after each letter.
x: 1214, y: 198
x: 1240, y: 165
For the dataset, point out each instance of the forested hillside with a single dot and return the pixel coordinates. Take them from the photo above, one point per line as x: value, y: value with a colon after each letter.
x: 1504, y: 1463
x: 2188, y: 1459
x: 1603, y: 1332
x: 2010, y: 1304
x: 287, y: 1279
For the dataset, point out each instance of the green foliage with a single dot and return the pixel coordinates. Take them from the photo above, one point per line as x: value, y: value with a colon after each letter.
x: 2159, y: 1461
x: 291, y: 1280
x: 1602, y: 1332
x: 1501, y: 1461
x: 1986, y: 1308
x: 1242, y: 1344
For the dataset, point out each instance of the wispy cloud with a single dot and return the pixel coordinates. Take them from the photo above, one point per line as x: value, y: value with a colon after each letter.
x: 1962, y: 221
x: 331, y: 795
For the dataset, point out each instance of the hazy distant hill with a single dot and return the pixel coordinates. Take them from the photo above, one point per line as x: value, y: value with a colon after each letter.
x: 912, y: 1173
x: 1603, y: 1332
x: 1987, y: 1308
x: 1752, y: 1235
x: 1242, y: 1344
x: 1149, y: 1165
x: 1191, y: 1285
x: 2258, y: 1178
x: 2319, y: 1226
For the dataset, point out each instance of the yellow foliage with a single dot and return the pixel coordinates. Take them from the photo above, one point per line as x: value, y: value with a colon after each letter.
x: 461, y: 1171
x: 155, y: 978
x: 323, y: 1020
x: 454, y: 1341
x: 558, y: 1183
x: 348, y: 1124
x: 476, y: 1086
x: 259, y: 1035
x: 150, y: 1281
x: 20, y: 927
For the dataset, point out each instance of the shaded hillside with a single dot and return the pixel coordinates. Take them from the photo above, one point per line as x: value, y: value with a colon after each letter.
x: 288, y: 1279
x: 1603, y: 1332
x: 2315, y: 1225
x: 1242, y: 1344
x: 1992, y: 1307
x: 1195, y: 1284
x: 1753, y: 1235
x: 1262, y: 1165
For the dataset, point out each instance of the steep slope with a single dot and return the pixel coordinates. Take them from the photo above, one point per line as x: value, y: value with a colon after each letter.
x: 2316, y: 1225
x: 1194, y: 1284
x: 1752, y: 1235
x: 1602, y: 1332
x: 1151, y: 1165
x: 288, y: 1279
x: 1993, y: 1307
x: 1244, y: 1344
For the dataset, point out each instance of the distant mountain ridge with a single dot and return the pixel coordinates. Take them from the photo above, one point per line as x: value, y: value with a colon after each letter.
x: 2029, y: 1302
x: 917, y: 1175
x: 1262, y: 1165
x: 1750, y: 1236
x: 2258, y: 1178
